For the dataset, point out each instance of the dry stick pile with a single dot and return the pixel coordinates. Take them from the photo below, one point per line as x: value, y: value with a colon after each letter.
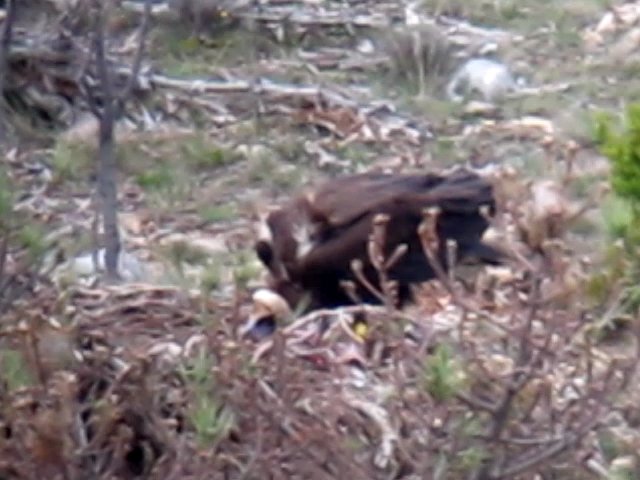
x: 316, y: 401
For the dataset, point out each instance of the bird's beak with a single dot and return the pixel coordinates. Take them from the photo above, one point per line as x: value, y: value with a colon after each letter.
x: 267, y: 307
x: 260, y: 324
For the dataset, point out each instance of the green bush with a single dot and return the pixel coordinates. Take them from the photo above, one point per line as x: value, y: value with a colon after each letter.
x: 623, y: 150
x: 621, y: 145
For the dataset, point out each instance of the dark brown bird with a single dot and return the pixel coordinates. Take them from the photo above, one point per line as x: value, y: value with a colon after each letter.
x: 308, y: 244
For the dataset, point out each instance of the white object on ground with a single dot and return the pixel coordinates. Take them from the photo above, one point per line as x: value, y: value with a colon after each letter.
x: 488, y: 77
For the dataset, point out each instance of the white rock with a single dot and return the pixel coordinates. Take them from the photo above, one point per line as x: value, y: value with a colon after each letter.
x: 488, y: 77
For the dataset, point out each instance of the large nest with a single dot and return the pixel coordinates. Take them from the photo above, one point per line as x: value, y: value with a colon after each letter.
x: 139, y: 380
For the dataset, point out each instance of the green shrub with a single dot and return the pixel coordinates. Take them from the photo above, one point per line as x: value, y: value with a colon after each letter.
x: 620, y: 143
x: 442, y: 375
x: 623, y: 150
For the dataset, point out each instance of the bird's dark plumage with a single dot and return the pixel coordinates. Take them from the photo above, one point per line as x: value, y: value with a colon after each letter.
x: 309, y: 243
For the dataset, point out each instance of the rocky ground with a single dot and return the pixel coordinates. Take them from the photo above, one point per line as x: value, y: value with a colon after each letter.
x: 499, y: 380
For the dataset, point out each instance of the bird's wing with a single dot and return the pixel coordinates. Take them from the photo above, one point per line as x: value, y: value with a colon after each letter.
x: 345, y: 200
x: 349, y: 205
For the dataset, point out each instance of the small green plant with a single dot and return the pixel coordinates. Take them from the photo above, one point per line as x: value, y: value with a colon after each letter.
x: 622, y: 147
x: 155, y: 179
x: 6, y: 197
x: 623, y: 150
x: 420, y: 57
x: 211, y: 278
x: 181, y: 252
x: 20, y: 232
x: 14, y: 370
x: 201, y: 153
x: 442, y: 374
x: 471, y: 458
x: 71, y: 161
x: 31, y: 237
x: 245, y: 268
x: 620, y: 143
x: 210, y: 418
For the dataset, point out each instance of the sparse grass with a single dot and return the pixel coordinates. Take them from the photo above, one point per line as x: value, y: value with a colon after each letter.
x: 22, y: 232
x: 291, y: 149
x: 192, y: 152
x: 268, y: 172
x: 434, y: 107
x: 444, y: 147
x: 211, y: 278
x: 181, y: 252
x: 187, y: 154
x: 72, y: 161
x: 159, y: 178
x: 245, y: 268
x: 454, y: 8
x: 31, y: 238
x: 471, y: 458
x: 174, y: 195
x: 171, y: 178
x: 201, y: 153
x: 218, y: 213
x: 419, y: 58
x: 356, y: 154
x: 540, y: 105
x: 618, y: 217
x: 181, y: 54
x: 193, y: 267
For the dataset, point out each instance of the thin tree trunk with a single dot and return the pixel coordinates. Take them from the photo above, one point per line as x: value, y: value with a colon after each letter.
x: 107, y: 172
x: 108, y: 193
x: 110, y: 111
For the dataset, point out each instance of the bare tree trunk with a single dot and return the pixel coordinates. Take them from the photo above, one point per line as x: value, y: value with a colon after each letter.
x: 108, y: 193
x: 107, y: 171
x: 107, y: 110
